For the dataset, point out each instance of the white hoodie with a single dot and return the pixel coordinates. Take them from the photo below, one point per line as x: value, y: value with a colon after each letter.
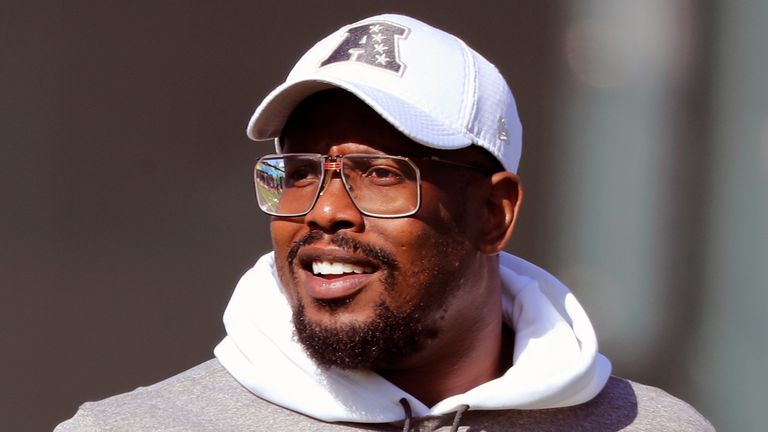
x: 556, y: 362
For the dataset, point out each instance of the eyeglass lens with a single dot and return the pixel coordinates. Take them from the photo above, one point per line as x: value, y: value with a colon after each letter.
x: 288, y: 185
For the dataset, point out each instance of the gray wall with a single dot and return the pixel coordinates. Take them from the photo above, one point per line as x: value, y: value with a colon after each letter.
x: 127, y: 216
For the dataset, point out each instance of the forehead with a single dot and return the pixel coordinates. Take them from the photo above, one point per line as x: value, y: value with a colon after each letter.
x: 335, y: 121
x: 337, y: 118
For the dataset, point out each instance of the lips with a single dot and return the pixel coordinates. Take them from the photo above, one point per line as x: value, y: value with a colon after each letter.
x: 332, y: 273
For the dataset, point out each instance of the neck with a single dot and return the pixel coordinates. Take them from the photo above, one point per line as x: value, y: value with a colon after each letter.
x: 455, y: 374
x: 474, y: 348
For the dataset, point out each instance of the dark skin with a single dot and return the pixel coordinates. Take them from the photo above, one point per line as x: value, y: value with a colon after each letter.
x: 465, y: 219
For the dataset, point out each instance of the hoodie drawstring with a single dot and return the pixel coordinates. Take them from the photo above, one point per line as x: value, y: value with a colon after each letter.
x: 409, y: 415
x: 457, y: 419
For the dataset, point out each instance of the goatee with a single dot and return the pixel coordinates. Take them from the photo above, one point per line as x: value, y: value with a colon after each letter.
x: 380, y: 342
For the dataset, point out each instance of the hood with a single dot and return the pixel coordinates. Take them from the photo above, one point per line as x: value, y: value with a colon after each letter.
x: 556, y: 362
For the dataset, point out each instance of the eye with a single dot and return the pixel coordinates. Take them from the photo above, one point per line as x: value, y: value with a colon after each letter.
x: 384, y: 175
x: 301, y: 175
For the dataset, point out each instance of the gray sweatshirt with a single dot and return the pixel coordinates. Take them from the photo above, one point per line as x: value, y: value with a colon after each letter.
x: 207, y: 398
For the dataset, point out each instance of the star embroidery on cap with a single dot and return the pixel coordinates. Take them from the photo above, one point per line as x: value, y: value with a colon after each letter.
x: 374, y: 44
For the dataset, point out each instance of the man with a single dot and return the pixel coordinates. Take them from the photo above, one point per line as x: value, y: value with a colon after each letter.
x: 388, y: 303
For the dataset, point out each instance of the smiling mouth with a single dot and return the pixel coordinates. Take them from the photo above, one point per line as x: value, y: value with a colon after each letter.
x: 337, y: 269
x: 333, y: 276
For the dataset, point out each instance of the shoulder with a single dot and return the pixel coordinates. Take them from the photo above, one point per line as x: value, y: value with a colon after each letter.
x: 628, y: 406
x: 204, y: 398
x: 659, y: 409
x: 622, y: 405
x: 138, y: 409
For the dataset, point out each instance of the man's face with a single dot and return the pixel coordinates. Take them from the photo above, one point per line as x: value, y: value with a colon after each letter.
x: 400, y: 277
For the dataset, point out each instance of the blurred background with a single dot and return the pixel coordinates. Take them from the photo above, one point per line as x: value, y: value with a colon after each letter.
x: 127, y: 213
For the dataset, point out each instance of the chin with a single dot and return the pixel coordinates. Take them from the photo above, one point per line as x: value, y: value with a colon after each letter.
x: 380, y: 340
x: 337, y: 313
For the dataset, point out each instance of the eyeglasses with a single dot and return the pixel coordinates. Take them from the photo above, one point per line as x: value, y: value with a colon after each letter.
x: 380, y: 185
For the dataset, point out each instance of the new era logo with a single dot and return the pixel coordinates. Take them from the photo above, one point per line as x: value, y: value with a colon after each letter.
x: 374, y: 44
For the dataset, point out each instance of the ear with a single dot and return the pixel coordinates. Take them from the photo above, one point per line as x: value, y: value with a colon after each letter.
x: 501, y: 208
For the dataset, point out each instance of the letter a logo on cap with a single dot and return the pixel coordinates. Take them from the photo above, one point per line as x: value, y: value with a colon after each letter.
x: 373, y: 43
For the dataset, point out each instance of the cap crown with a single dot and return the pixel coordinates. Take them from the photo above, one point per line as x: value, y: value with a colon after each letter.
x: 427, y: 83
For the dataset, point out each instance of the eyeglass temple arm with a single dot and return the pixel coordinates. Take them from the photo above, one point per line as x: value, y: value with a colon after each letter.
x: 450, y: 162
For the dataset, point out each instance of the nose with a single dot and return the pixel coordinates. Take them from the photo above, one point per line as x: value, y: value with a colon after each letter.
x: 334, y: 209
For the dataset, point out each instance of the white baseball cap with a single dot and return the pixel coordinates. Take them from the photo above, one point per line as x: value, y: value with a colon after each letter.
x: 427, y: 83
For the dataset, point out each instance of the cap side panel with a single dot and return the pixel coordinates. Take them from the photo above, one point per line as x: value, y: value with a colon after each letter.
x: 469, y: 101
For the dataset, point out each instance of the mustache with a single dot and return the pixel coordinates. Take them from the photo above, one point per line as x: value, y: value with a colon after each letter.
x: 385, y: 259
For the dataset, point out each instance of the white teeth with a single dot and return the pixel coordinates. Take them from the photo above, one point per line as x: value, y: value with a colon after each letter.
x: 336, y: 268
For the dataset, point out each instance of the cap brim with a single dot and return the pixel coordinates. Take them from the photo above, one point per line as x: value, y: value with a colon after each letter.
x: 427, y: 129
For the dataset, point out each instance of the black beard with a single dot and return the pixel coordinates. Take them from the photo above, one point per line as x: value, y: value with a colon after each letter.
x: 386, y: 339
x: 381, y: 342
